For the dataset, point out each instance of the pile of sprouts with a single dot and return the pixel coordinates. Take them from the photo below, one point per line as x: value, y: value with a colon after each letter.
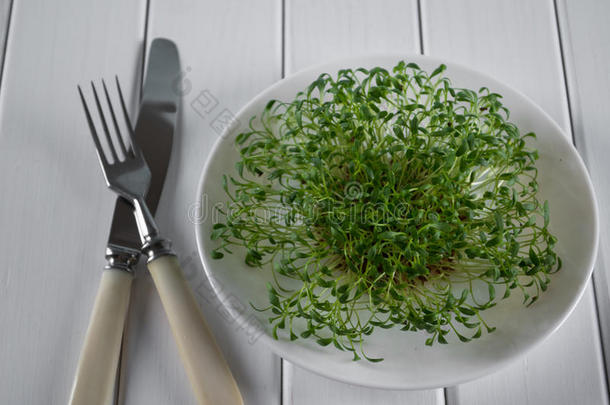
x: 391, y: 199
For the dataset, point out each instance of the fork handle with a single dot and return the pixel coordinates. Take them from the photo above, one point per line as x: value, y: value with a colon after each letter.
x: 97, y: 366
x: 207, y: 370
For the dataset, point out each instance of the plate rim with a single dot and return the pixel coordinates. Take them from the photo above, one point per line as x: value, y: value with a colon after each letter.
x: 440, y: 382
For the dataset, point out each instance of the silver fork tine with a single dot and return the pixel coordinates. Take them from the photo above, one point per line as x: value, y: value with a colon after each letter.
x: 104, y: 125
x: 96, y: 140
x: 116, y: 125
x: 135, y: 150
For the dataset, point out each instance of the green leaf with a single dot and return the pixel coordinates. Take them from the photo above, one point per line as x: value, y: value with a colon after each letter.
x: 224, y: 183
x: 534, y: 257
x: 529, y: 206
x: 299, y: 118
x: 467, y: 311
x: 273, y: 296
x: 217, y: 255
x: 324, y: 341
x: 438, y: 70
x: 492, y: 291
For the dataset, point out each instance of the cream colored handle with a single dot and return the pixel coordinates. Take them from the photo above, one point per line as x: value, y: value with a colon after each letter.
x: 97, y: 366
x: 205, y: 365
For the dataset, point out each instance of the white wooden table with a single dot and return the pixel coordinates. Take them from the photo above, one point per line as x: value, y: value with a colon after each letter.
x: 54, y: 211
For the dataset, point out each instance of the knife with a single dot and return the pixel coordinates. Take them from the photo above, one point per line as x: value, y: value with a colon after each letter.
x: 97, y: 366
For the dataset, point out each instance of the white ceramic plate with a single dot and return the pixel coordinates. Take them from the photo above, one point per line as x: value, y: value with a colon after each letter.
x: 409, y: 364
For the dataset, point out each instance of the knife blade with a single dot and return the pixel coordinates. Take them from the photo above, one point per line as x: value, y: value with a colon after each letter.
x: 153, y: 132
x: 99, y: 358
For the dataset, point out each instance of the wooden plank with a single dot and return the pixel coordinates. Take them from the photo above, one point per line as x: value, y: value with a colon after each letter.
x: 316, y: 32
x: 517, y: 42
x: 302, y: 387
x: 55, y: 210
x: 5, y: 15
x: 230, y: 51
x: 565, y: 369
x: 585, y: 38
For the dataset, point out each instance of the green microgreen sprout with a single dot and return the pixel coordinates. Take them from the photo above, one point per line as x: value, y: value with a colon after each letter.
x: 391, y: 199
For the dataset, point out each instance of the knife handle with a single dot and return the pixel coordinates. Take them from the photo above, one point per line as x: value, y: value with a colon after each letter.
x: 97, y: 366
x: 207, y: 370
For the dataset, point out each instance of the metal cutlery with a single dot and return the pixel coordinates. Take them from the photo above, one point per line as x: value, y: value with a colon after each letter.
x: 97, y: 366
x: 128, y: 174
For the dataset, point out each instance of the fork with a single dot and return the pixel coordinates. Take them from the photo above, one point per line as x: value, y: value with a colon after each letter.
x: 129, y: 176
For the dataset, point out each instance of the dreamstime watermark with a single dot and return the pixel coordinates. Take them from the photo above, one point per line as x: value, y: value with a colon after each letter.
x: 353, y: 208
x: 229, y: 307
x: 206, y: 105
x: 353, y: 190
